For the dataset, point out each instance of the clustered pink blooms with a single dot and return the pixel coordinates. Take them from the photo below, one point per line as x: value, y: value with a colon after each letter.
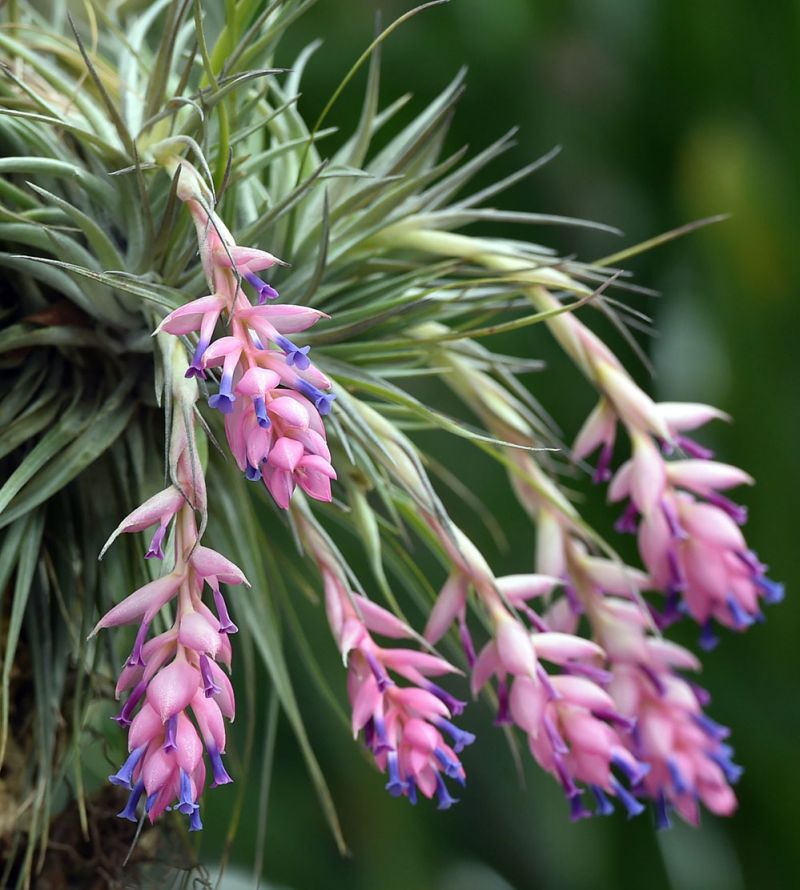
x: 688, y: 761
x: 178, y: 671
x: 403, y: 726
x: 684, y: 760
x: 574, y: 730
x: 272, y: 396
x: 688, y: 532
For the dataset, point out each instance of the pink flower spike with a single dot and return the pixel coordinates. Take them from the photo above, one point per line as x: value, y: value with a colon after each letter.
x: 143, y: 603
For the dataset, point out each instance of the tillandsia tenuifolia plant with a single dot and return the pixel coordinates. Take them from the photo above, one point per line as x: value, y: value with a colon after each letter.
x: 156, y: 352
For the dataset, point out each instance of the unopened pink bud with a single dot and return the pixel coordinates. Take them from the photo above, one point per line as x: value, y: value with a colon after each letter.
x: 450, y: 603
x: 598, y: 429
x: 518, y: 588
x: 189, y: 317
x: 527, y: 702
x: 189, y: 748
x: 705, y: 476
x: 172, y: 688
x: 257, y: 381
x: 380, y: 620
x: 285, y: 454
x: 428, y: 665
x: 145, y: 727
x: 685, y: 416
x: 514, y: 647
x: 143, y: 603
x: 196, y: 633
x: 365, y: 704
x: 561, y: 648
x: 208, y: 563
x: 289, y: 412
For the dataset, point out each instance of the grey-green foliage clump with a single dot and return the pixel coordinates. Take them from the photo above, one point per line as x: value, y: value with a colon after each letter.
x: 97, y: 248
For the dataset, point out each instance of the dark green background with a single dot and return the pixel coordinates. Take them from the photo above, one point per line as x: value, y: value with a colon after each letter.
x: 667, y: 111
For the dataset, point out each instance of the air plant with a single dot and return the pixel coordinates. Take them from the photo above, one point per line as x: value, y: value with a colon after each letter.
x: 156, y: 171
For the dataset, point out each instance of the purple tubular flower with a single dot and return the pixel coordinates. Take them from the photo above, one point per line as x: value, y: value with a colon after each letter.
x: 603, y: 807
x: 663, y: 822
x: 454, y: 705
x: 722, y: 757
x: 226, y: 626
x: 195, y: 369
x: 323, y: 401
x: 693, y: 449
x: 194, y: 822
x: 444, y: 796
x: 466, y: 643
x: 221, y: 776
x: 679, y: 782
x: 261, y: 413
x: 773, y: 590
x: 124, y: 776
x: 395, y: 786
x: 602, y: 471
x: 461, y: 738
x: 265, y: 291
x: 252, y: 474
x: 503, y: 717
x: 154, y: 551
x: 452, y: 768
x: 125, y: 714
x: 129, y: 812
x: 136, y: 653
x: 633, y: 806
x: 186, y: 804
x: 381, y: 677
x: 710, y: 727
x: 295, y: 355
x: 708, y: 639
x: 170, y: 742
x: 628, y: 522
x: 223, y: 401
x: 210, y: 688
x: 577, y: 810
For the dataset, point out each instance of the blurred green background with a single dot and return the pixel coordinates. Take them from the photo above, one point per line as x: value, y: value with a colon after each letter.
x: 667, y: 111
